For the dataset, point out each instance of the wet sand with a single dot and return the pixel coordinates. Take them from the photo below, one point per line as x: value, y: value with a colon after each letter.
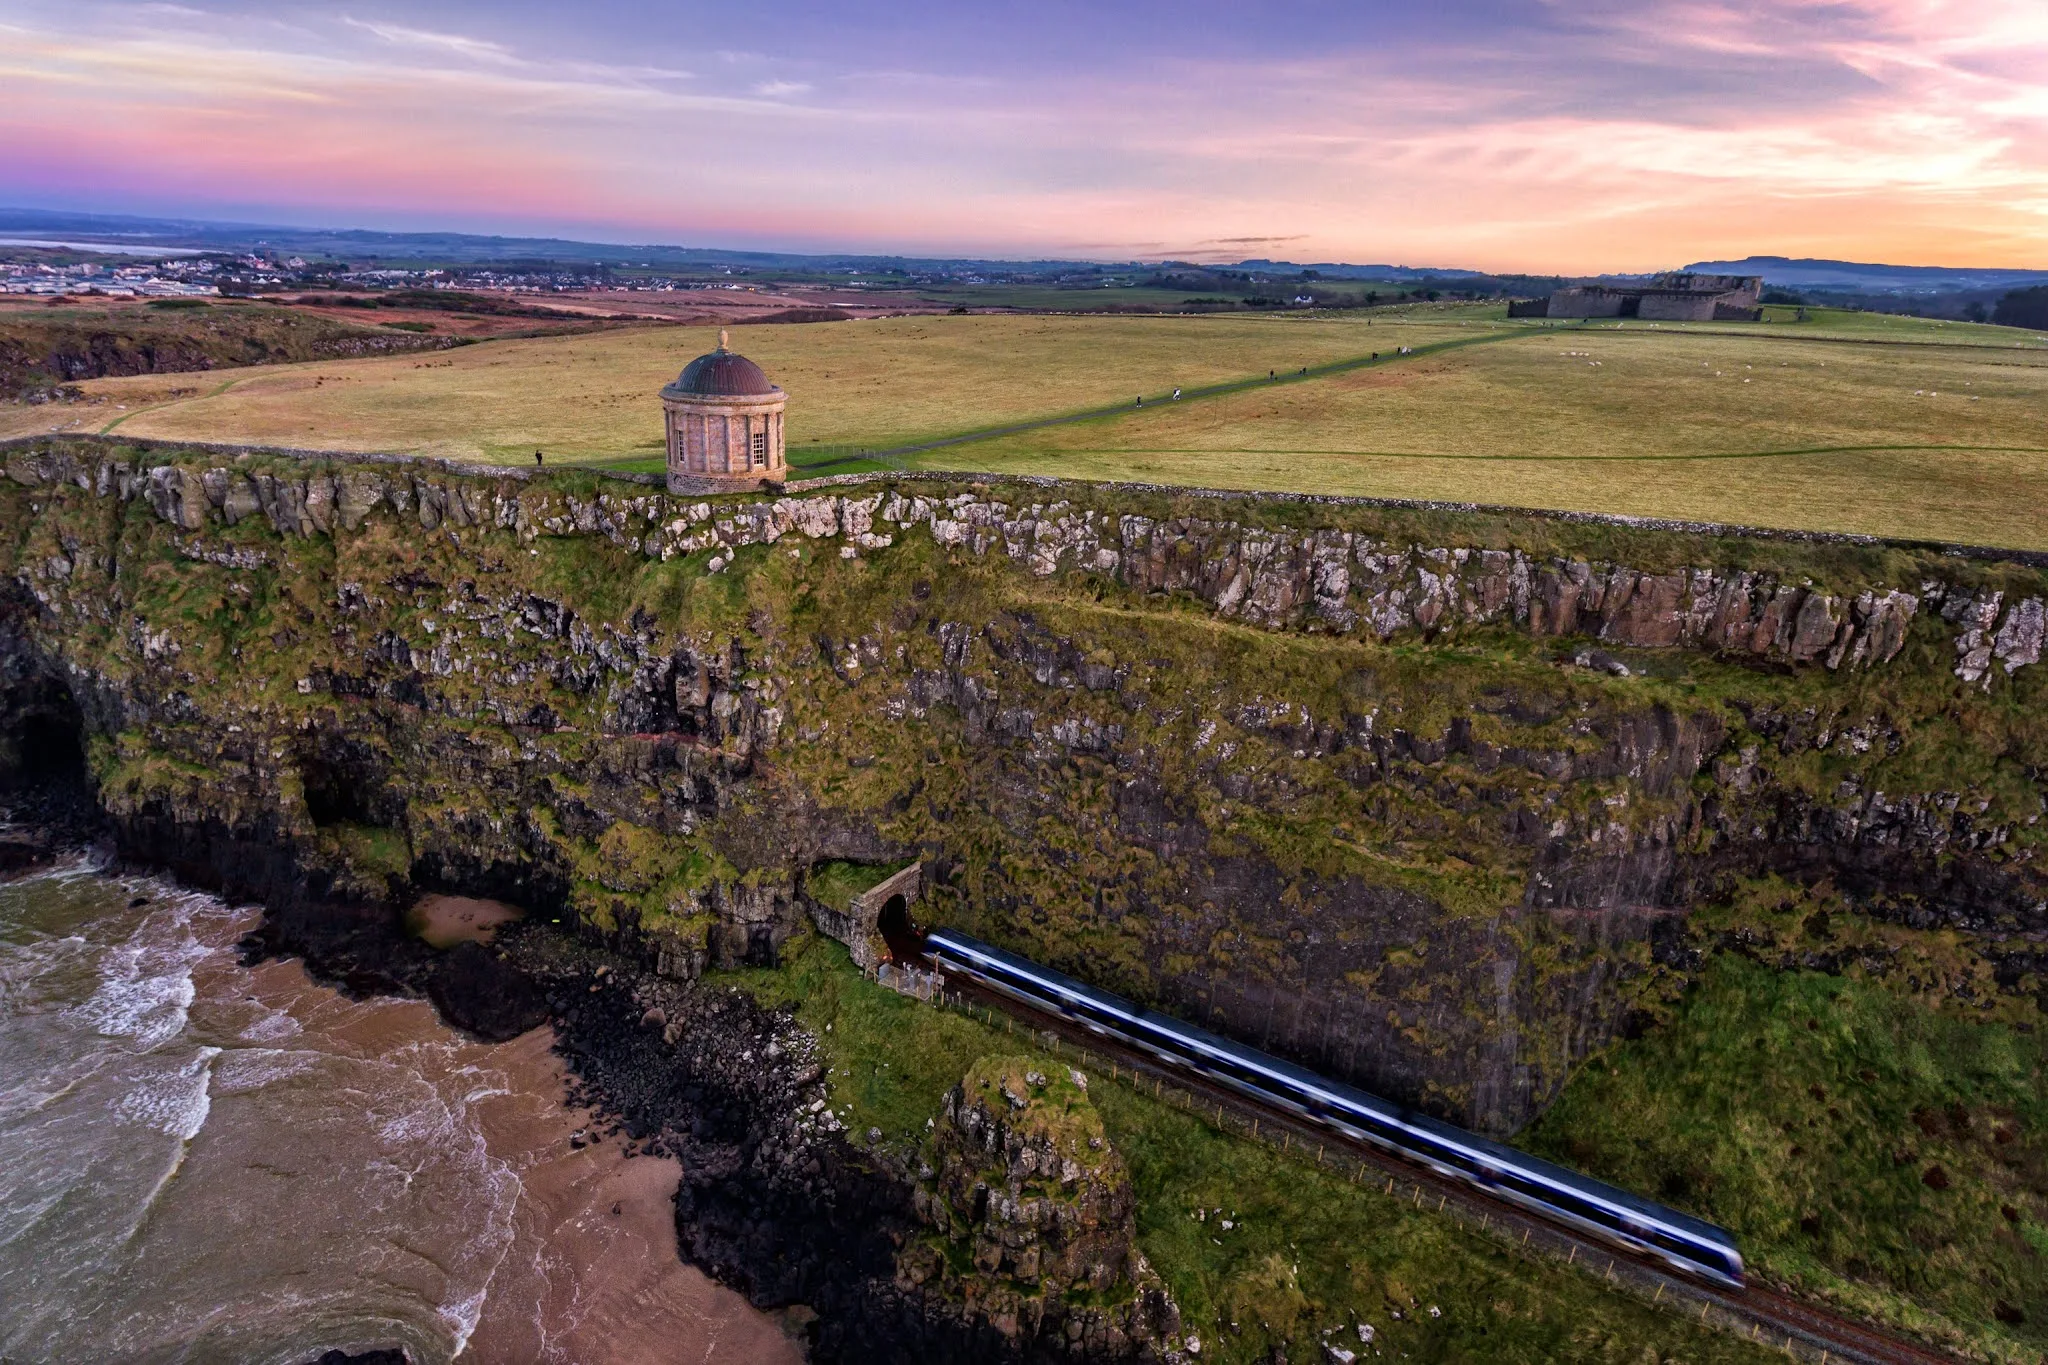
x: 602, y: 1282
x: 445, y: 921
x: 589, y: 1274
x: 203, y: 1161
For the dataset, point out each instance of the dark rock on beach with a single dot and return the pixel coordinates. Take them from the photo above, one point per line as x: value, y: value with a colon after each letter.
x: 478, y: 991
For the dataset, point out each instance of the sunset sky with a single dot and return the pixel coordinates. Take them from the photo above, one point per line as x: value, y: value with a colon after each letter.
x: 1575, y: 136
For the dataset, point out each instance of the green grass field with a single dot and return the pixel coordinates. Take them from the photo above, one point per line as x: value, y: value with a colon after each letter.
x: 1843, y: 421
x: 1308, y: 1253
x: 851, y: 384
x: 1848, y: 325
x: 1865, y: 1148
x: 1780, y: 428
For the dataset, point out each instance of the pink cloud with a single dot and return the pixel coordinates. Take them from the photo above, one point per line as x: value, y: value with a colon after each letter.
x: 1632, y: 135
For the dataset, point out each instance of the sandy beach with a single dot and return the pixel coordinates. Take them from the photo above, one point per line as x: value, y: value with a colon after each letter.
x: 593, y: 1275
x: 590, y: 1273
x: 445, y: 921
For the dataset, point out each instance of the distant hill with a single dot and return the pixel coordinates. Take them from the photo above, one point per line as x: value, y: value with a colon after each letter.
x: 1844, y: 278
x: 398, y: 248
x: 1340, y: 270
x: 1786, y: 272
x: 463, y: 248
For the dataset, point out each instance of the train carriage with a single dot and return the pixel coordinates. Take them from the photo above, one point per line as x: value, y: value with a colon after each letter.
x: 1544, y: 1188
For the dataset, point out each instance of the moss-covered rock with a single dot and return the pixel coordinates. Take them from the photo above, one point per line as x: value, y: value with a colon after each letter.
x: 1444, y: 803
x: 1033, y: 1219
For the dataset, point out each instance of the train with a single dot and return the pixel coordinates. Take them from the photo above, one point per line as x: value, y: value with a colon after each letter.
x: 1687, y: 1244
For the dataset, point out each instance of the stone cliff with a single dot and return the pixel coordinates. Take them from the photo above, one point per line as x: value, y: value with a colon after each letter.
x: 1422, y: 798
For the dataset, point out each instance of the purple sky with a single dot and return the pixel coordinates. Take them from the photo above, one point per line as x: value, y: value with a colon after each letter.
x: 1491, y: 133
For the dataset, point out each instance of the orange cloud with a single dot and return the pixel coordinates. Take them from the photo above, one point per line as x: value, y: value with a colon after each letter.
x: 1626, y: 136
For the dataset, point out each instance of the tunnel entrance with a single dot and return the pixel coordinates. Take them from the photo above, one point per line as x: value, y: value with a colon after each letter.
x: 866, y: 906
x: 906, y: 944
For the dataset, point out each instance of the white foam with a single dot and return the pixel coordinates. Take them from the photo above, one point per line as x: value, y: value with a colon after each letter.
x: 70, y: 870
x: 503, y: 1193
x: 146, y: 990
x: 462, y: 1316
x: 174, y: 1103
x: 428, y: 1123
x: 246, y: 1069
x: 418, y: 1173
x: 274, y: 1027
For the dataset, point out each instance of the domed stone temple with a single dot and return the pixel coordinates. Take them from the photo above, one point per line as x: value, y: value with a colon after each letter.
x: 724, y: 421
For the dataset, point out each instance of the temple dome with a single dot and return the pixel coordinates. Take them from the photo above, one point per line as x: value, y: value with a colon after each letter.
x: 723, y: 374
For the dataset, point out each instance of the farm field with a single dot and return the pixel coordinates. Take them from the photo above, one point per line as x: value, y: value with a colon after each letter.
x: 1841, y: 421
x: 1849, y: 325
x: 1785, y: 429
x: 852, y: 384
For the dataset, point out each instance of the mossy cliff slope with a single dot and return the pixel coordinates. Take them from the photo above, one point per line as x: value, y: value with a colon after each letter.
x: 1422, y: 798
x: 43, y: 352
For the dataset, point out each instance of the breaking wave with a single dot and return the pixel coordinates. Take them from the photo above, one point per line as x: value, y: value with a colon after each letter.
x: 145, y: 993
x: 155, y: 1095
x: 175, y: 1103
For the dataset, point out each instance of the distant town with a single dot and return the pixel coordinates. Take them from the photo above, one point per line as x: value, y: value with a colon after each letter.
x: 231, y: 275
x: 162, y: 280
x: 214, y: 275
x: 60, y: 255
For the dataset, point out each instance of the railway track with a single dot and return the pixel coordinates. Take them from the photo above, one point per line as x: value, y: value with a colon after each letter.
x: 1769, y: 1317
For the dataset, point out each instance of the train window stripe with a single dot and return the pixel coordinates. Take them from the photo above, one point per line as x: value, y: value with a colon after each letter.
x: 1292, y: 1084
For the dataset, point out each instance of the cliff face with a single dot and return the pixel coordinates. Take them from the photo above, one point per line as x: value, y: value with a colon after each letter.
x: 1421, y: 798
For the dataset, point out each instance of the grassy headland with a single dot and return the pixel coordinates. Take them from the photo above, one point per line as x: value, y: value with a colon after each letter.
x: 1838, y: 421
x: 1704, y: 1109
x: 47, y: 344
x: 852, y: 384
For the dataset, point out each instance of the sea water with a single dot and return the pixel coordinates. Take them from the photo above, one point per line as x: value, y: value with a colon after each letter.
x: 203, y: 1162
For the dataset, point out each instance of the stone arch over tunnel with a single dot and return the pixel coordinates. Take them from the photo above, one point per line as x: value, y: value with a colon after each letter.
x: 875, y: 925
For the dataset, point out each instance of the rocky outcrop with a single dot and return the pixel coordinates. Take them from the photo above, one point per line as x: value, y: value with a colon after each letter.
x: 777, y: 1199
x: 2011, y: 640
x: 38, y: 354
x: 1021, y: 1187
x: 1276, y: 577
